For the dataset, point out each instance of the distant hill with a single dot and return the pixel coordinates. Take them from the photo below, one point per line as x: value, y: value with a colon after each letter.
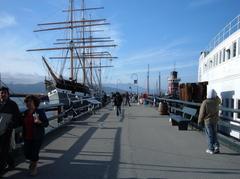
x: 27, y: 88
x: 110, y: 90
x: 122, y: 87
x: 40, y: 88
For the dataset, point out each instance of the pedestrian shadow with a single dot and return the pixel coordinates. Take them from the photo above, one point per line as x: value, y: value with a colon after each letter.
x: 61, y: 163
x: 49, y: 137
x: 103, y: 117
x: 122, y: 115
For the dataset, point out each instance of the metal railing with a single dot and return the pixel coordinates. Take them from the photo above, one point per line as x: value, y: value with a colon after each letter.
x: 228, y: 30
x: 62, y: 117
x: 228, y: 122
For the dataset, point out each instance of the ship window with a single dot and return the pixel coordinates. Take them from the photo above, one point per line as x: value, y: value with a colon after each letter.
x: 226, y: 105
x: 226, y: 102
x: 222, y: 104
x: 238, y: 115
x: 234, y: 49
x: 217, y: 59
x: 224, y: 55
x: 228, y: 54
x: 220, y: 56
x: 239, y: 46
x: 205, y: 67
x: 232, y: 106
x: 210, y: 64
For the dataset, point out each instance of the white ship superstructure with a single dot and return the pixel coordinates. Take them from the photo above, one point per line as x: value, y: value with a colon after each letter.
x: 220, y: 66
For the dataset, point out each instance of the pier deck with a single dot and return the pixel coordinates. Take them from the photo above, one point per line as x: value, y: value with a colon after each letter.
x: 141, y: 145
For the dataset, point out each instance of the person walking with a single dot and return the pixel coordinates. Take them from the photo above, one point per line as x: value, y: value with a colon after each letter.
x: 112, y: 100
x: 118, y: 103
x: 9, y: 117
x: 34, y: 121
x: 209, y: 114
x: 127, y: 102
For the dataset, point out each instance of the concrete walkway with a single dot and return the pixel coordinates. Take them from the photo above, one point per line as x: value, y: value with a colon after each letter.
x: 140, y: 145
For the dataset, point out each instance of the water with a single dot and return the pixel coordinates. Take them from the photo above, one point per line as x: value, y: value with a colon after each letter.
x: 19, y: 101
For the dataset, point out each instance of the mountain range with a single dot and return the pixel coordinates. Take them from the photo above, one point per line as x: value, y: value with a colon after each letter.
x: 40, y: 88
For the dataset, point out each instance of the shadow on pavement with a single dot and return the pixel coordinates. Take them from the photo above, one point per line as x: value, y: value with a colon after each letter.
x: 67, y: 165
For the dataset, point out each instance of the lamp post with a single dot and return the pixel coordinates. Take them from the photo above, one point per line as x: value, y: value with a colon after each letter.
x: 118, y: 82
x: 130, y: 87
x: 134, y: 76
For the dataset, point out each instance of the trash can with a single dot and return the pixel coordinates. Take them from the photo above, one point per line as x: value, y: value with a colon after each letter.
x: 163, y: 108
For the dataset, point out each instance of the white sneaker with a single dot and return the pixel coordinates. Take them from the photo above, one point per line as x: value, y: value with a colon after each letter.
x: 216, y: 150
x: 209, y: 151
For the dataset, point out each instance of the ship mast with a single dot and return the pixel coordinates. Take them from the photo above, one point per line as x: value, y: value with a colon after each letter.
x: 71, y: 42
x: 80, y: 49
x: 83, y: 42
x: 91, y: 60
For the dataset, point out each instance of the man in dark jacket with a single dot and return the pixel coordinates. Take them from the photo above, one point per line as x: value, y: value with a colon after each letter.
x: 10, y: 109
x: 127, y: 102
x: 118, y: 102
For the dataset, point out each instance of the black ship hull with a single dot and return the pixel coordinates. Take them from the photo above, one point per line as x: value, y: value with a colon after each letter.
x: 72, y: 86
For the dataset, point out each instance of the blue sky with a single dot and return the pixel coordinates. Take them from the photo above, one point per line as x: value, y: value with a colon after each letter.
x: 155, y: 32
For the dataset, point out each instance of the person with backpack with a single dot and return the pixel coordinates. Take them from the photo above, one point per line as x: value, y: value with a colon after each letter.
x: 209, y: 115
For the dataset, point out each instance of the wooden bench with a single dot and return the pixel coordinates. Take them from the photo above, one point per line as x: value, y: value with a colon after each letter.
x: 184, y: 119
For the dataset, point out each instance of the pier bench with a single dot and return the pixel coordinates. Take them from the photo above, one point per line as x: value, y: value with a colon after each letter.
x: 183, y: 119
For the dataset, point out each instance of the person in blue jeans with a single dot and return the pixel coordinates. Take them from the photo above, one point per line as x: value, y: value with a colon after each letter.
x: 209, y: 114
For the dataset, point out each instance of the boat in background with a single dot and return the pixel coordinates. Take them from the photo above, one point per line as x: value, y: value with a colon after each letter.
x: 219, y: 65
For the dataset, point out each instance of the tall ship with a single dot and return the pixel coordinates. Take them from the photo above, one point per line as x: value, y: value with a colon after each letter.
x: 219, y: 65
x: 83, y: 53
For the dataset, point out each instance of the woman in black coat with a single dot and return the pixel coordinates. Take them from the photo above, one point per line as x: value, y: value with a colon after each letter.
x: 34, y: 121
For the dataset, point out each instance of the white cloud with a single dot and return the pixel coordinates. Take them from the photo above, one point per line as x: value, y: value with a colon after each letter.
x: 6, y: 20
x: 160, y: 58
x: 15, y: 60
x: 163, y: 68
x: 166, y: 52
